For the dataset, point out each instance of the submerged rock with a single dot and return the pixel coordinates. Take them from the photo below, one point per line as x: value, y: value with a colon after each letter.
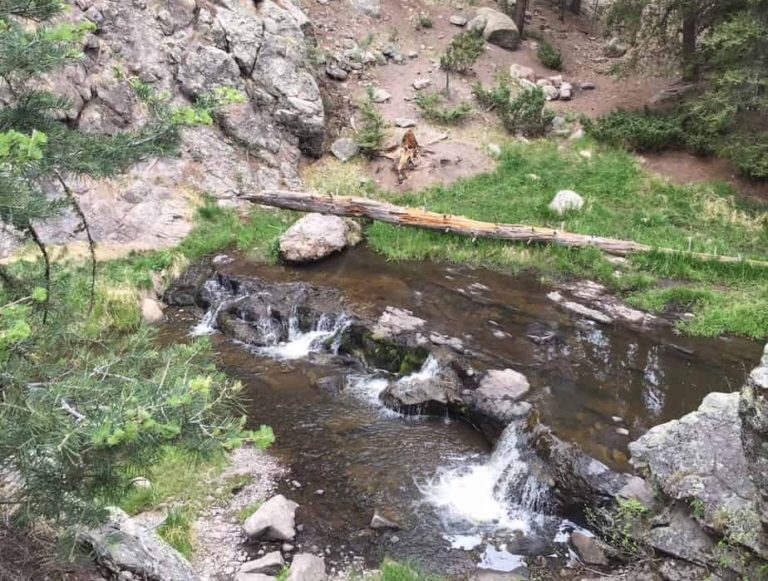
x: 123, y: 545
x: 317, y: 236
x: 275, y: 520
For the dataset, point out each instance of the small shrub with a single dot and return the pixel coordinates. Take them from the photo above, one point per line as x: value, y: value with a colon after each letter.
x: 462, y: 52
x: 624, y: 527
x: 526, y: 113
x: 751, y: 159
x: 431, y: 108
x: 550, y: 56
x: 244, y: 513
x: 371, y: 134
x: 638, y: 131
x: 424, y: 20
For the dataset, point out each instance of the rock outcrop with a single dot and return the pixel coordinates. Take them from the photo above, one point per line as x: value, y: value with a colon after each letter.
x: 187, y: 49
x: 753, y: 412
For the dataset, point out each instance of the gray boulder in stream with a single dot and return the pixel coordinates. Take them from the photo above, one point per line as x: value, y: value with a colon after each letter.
x: 316, y: 236
x: 122, y: 544
x: 275, y: 520
x: 496, y: 401
x: 424, y: 393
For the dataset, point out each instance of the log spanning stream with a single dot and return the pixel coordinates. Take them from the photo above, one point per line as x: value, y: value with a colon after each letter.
x: 461, y: 502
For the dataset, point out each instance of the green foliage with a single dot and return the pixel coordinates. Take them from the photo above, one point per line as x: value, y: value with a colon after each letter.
x: 244, y: 513
x: 462, y: 52
x: 424, y: 20
x: 549, y: 56
x: 431, y: 108
x: 371, y: 133
x: 624, y: 527
x: 526, y: 113
x: 625, y: 203
x: 393, y: 571
x: 636, y: 130
x: 750, y: 158
x: 80, y: 427
x: 176, y: 530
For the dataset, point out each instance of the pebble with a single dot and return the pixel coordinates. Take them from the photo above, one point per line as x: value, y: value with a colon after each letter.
x: 617, y: 419
x: 420, y: 84
x: 287, y: 548
x: 457, y: 20
x: 622, y: 431
x: 296, y: 483
x: 588, y: 86
x: 412, y: 54
x: 380, y: 95
x: 336, y: 73
x: 494, y: 149
x: 319, y: 492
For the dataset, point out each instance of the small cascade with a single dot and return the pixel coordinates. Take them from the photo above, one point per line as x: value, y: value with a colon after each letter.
x: 207, y: 324
x: 300, y: 344
x: 500, y: 493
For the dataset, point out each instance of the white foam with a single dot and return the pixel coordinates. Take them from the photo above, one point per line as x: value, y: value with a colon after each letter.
x: 500, y: 492
x: 300, y: 344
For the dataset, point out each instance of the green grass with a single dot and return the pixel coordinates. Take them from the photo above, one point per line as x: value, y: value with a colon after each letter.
x: 176, y: 530
x: 622, y: 202
x: 244, y: 513
x: 392, y: 571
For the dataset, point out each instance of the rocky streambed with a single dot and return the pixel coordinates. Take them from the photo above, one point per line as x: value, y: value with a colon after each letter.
x: 469, y: 421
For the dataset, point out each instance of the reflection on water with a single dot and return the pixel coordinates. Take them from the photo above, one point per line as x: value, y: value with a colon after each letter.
x: 459, y: 503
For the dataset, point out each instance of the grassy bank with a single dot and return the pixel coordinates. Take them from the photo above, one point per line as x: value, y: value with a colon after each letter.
x: 623, y: 201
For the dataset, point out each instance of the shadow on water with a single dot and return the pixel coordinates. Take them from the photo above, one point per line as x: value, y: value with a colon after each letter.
x: 351, y: 456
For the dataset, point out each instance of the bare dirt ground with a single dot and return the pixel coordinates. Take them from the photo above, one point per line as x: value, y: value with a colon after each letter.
x: 464, y: 152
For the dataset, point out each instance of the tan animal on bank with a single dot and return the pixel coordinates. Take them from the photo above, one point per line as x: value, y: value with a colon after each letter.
x: 409, y: 152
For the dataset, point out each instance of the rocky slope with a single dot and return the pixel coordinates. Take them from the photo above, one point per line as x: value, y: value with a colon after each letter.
x: 187, y: 48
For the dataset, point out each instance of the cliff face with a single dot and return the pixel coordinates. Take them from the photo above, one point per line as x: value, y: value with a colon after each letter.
x: 186, y: 48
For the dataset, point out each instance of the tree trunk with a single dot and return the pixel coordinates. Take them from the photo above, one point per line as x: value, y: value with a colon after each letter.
x: 447, y: 223
x: 521, y: 7
x: 690, y: 68
x: 576, y: 6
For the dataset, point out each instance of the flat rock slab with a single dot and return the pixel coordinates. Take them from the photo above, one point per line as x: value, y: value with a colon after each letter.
x: 498, y: 394
x: 394, y: 322
x: 306, y: 567
x: 270, y: 564
x: 275, y: 520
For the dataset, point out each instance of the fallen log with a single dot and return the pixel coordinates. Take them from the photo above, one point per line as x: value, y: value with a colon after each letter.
x: 448, y: 223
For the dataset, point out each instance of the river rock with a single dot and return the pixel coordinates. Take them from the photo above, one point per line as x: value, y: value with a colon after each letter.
x: 123, y: 545
x: 566, y: 92
x: 710, y: 471
x: 316, y: 236
x: 405, y: 122
x: 496, y: 27
x: 497, y: 398
x: 345, y: 148
x: 421, y: 83
x: 270, y: 564
x: 431, y: 394
x: 380, y: 521
x: 394, y: 322
x: 275, y: 520
x: 753, y: 412
x: 550, y: 92
x: 188, y: 289
x: 458, y: 20
x: 565, y: 201
x: 588, y: 549
x: 380, y: 95
x: 306, y: 567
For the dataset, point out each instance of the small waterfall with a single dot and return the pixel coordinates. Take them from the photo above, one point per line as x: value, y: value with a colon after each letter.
x: 301, y: 343
x: 207, y: 324
x: 500, y: 493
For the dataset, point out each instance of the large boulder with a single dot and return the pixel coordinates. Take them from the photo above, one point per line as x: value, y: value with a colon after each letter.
x: 496, y: 27
x: 275, y: 520
x: 497, y: 398
x: 753, y: 412
x: 317, y: 236
x: 123, y: 545
x: 699, y: 460
x: 566, y: 200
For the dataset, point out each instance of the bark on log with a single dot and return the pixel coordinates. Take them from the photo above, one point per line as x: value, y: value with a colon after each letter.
x: 448, y: 223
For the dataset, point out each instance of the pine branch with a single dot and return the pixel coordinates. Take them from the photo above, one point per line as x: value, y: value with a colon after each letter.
x: 47, y: 261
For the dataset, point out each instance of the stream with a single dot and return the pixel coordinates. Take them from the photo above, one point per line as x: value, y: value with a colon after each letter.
x: 461, y: 503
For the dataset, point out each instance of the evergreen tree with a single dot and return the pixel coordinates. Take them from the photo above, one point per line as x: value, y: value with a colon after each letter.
x: 462, y: 52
